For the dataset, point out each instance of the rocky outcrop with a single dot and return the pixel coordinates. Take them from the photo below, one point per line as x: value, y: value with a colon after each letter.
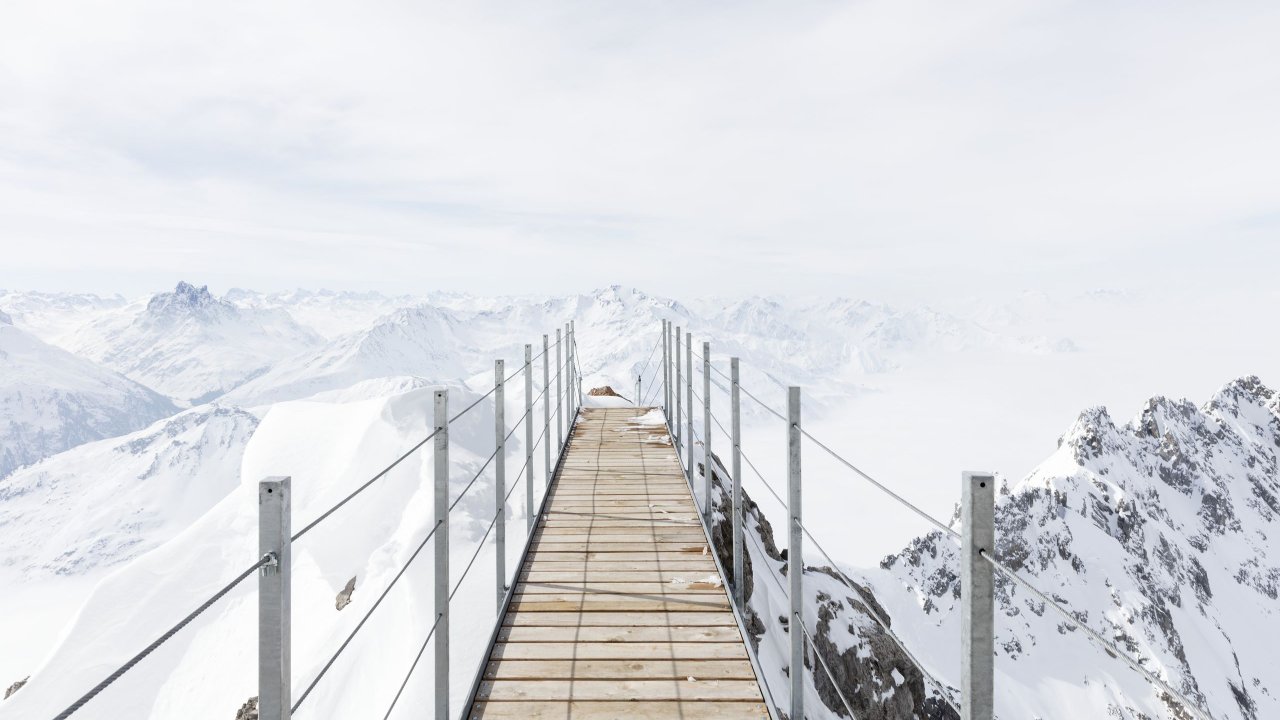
x: 344, y: 596
x: 878, y: 679
x: 15, y: 687
x: 1162, y: 534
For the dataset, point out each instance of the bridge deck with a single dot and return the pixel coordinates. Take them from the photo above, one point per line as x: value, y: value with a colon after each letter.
x: 619, y: 611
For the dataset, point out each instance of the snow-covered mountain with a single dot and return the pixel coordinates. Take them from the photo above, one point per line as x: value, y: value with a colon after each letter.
x: 51, y: 400
x: 424, y: 342
x: 1163, y: 534
x: 208, y: 670
x: 105, y: 503
x: 189, y: 344
x: 329, y: 313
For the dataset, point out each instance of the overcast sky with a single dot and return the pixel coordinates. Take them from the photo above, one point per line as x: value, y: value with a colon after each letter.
x: 892, y: 149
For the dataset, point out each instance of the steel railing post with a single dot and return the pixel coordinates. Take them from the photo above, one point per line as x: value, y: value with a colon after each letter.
x: 546, y: 407
x: 688, y: 388
x: 568, y: 384
x: 639, y: 399
x: 795, y: 554
x: 739, y: 586
x: 708, y: 464
x: 528, y: 437
x: 441, y: 477
x: 675, y: 422
x: 500, y: 480
x: 666, y: 369
x: 977, y: 596
x: 274, y: 638
x: 577, y: 375
x: 559, y: 398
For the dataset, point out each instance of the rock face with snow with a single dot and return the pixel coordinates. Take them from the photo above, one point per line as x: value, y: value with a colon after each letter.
x: 190, y: 345
x: 105, y: 503
x: 1162, y: 534
x: 880, y: 681
x: 51, y: 400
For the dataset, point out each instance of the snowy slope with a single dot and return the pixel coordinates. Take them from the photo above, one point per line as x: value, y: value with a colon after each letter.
x: 1160, y: 533
x: 329, y: 313
x: 51, y: 400
x: 189, y: 344
x: 104, y: 503
x: 208, y: 670
x: 422, y: 341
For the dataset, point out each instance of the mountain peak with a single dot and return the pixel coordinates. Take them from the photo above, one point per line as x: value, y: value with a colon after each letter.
x: 185, y: 298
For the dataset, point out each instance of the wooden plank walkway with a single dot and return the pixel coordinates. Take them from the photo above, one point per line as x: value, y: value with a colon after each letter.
x: 619, y: 611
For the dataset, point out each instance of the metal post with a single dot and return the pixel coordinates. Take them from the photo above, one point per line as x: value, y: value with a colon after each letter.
x: 637, y: 395
x: 559, y: 398
x: 688, y: 386
x: 442, y: 553
x: 708, y: 464
x: 666, y: 368
x: 795, y: 554
x: 547, y: 409
x: 274, y: 638
x: 675, y: 422
x: 528, y: 437
x: 577, y: 376
x: 500, y: 480
x: 977, y: 593
x: 739, y: 586
x: 569, y: 381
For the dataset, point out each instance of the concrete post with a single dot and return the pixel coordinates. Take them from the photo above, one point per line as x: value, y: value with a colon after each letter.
x: 795, y: 553
x: 274, y: 635
x: 441, y: 477
x: 500, y: 480
x: 708, y: 464
x: 977, y: 597
x: 735, y: 402
x: 528, y: 438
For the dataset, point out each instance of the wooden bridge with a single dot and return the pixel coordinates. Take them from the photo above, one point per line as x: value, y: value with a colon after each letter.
x: 619, y: 609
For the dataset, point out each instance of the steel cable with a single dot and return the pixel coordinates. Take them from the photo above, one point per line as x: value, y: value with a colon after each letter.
x: 1109, y: 646
x: 883, y: 625
x: 830, y: 676
x: 128, y: 665
x: 364, y: 619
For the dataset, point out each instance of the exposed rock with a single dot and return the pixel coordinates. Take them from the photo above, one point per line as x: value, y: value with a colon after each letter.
x: 606, y: 391
x: 344, y: 597
x: 16, y: 687
x: 880, y: 681
x: 248, y: 711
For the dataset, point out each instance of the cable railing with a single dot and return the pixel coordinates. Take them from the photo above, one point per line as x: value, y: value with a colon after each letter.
x: 274, y: 565
x: 976, y: 539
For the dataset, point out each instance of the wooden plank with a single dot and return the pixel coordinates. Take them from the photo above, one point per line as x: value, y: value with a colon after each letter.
x: 613, y: 710
x: 585, y: 558
x: 634, y: 603
x: 619, y: 651
x: 670, y: 689
x: 618, y: 603
x: 606, y: 576
x: 694, y: 587
x: 668, y: 633
x: 607, y: 547
x: 611, y: 619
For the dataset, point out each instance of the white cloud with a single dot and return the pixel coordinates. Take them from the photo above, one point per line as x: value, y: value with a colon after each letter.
x: 904, y: 147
